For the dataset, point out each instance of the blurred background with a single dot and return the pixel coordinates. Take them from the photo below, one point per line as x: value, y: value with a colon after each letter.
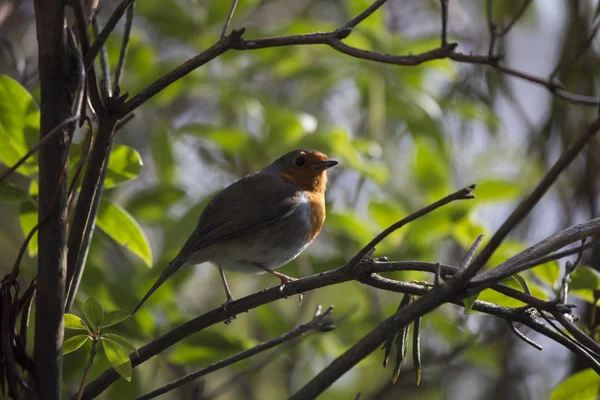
x: 404, y: 136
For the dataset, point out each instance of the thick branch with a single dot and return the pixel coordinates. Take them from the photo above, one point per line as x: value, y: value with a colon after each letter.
x: 59, y: 81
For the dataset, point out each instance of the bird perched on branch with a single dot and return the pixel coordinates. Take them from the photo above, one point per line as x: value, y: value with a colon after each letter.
x: 261, y: 222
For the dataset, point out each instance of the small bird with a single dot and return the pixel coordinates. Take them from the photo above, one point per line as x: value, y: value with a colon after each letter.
x: 261, y: 222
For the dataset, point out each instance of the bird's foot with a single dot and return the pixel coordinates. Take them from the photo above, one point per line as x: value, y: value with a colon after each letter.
x: 229, y: 300
x: 285, y: 280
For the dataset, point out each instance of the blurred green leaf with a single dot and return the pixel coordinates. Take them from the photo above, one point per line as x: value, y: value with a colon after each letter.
x: 506, y: 250
x: 582, y: 385
x: 230, y: 140
x: 497, y: 190
x: 72, y: 321
x: 386, y: 213
x: 126, y: 344
x: 349, y: 225
x: 162, y: 154
x: 585, y: 278
x: 466, y: 231
x: 9, y: 192
x: 122, y: 228
x: 548, y: 272
x: 94, y: 312
x: 151, y: 205
x: 113, y: 318
x: 430, y: 167
x: 125, y: 164
x: 469, y: 301
x: 117, y: 357
x: 28, y: 217
x: 19, y: 125
x: 72, y: 344
x: 178, y: 22
x: 34, y: 188
x: 500, y: 299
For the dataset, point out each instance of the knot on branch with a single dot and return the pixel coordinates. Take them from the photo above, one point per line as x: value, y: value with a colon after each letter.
x: 322, y: 322
x: 342, y: 33
x: 236, y: 39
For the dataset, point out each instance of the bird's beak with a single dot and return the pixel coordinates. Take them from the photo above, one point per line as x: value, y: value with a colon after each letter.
x: 325, y: 164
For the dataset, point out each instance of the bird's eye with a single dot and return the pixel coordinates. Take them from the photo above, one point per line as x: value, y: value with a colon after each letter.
x: 299, y: 161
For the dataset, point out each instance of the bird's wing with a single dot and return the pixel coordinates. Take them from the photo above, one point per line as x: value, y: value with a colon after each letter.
x: 249, y: 204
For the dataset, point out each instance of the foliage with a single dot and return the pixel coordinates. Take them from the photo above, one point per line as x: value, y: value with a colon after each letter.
x: 402, y: 135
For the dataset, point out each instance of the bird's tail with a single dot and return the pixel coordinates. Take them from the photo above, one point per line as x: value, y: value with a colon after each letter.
x: 173, y: 267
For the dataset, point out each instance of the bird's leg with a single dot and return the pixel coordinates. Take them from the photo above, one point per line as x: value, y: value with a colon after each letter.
x: 227, y: 291
x: 283, y: 278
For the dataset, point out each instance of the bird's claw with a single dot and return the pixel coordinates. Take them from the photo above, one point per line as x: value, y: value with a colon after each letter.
x: 224, y: 307
x: 287, y: 279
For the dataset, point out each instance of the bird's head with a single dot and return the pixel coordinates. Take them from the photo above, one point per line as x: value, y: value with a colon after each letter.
x: 306, y: 169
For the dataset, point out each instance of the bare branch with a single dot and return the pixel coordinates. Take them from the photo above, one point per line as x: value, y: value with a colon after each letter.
x: 320, y: 322
x: 229, y: 17
x: 530, y: 201
x: 462, y: 194
x: 444, y: 4
x: 93, y: 51
x: 364, y: 15
x: 471, y: 253
x: 124, y: 44
x: 531, y: 256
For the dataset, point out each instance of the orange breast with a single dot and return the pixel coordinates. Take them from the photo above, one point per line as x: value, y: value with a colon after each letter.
x: 317, y: 215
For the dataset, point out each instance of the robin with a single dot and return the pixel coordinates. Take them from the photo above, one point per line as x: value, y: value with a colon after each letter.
x: 261, y: 222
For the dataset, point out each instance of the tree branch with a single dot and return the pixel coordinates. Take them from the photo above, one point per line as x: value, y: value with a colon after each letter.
x: 59, y: 83
x: 321, y: 322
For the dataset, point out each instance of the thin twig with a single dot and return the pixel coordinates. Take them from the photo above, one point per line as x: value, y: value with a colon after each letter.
x: 471, y: 253
x: 39, y: 144
x: 320, y: 322
x: 580, y: 51
x: 524, y: 338
x: 93, y: 51
x: 491, y: 27
x: 229, y: 17
x: 530, y: 201
x: 517, y: 17
x: 578, y: 334
x: 462, y: 194
x: 104, y: 66
x: 444, y: 4
x: 363, y: 15
x: 87, y: 368
x: 124, y: 45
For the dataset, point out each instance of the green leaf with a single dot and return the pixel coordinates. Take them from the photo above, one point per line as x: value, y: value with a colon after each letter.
x: 230, y: 140
x: 498, y: 190
x: 585, y: 278
x: 72, y: 321
x: 72, y: 344
x: 583, y: 385
x: 386, y: 213
x: 19, y: 125
x: 117, y: 357
x: 548, y: 272
x: 151, y: 205
x: 430, y: 167
x: 119, y: 225
x: 11, y: 193
x: 28, y: 217
x: 162, y: 154
x: 124, y: 164
x: 93, y: 312
x: 113, y: 318
x: 126, y: 344
x: 469, y: 301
